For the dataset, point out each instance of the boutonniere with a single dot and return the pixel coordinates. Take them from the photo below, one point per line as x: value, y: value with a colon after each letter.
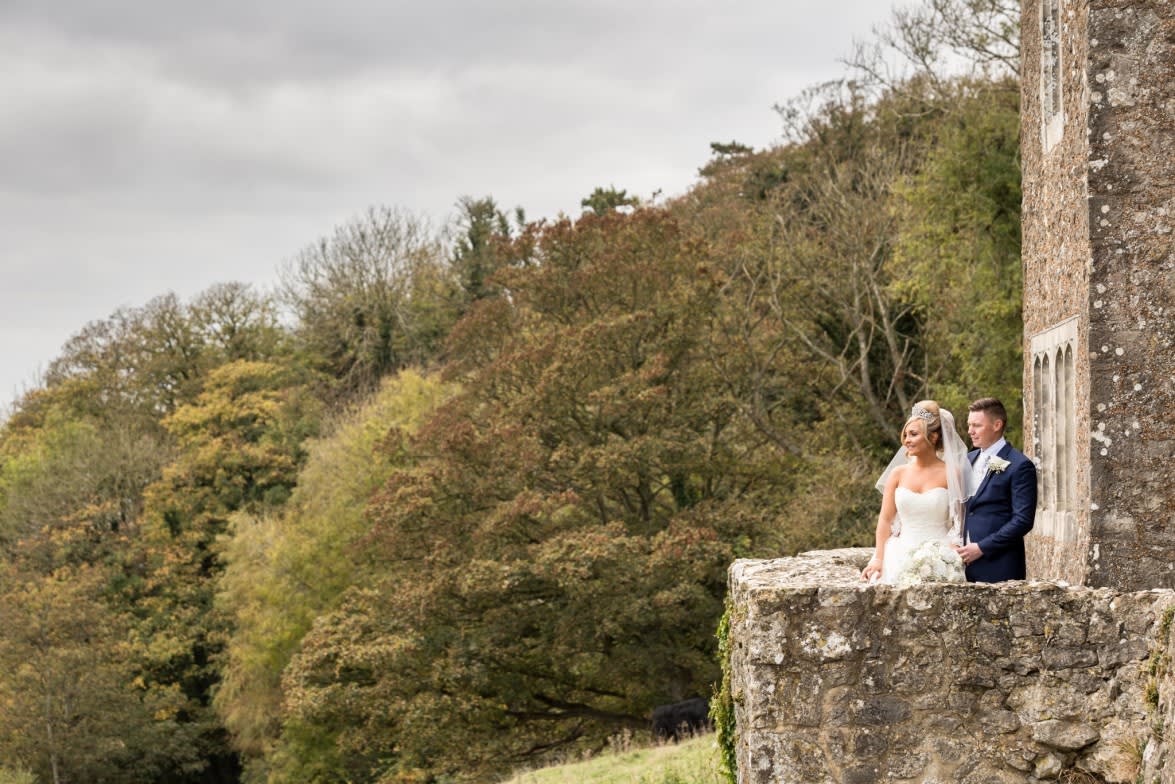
x: 997, y: 465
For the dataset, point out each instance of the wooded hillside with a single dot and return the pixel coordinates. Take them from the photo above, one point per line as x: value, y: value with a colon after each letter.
x: 472, y: 504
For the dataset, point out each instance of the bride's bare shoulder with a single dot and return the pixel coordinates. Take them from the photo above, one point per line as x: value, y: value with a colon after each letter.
x: 895, y: 477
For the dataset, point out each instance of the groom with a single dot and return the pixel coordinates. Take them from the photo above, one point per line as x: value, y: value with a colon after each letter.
x: 1003, y: 507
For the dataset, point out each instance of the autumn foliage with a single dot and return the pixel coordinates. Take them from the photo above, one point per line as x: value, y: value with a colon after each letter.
x: 474, y: 507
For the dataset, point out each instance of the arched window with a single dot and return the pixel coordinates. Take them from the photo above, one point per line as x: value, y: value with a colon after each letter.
x: 1069, y: 464
x: 1048, y: 418
x: 1052, y: 116
x: 1037, y: 429
x: 1054, y: 430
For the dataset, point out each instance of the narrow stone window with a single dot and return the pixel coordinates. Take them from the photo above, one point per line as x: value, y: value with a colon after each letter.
x: 1054, y: 430
x: 1037, y: 427
x: 1069, y: 467
x: 1048, y: 417
x: 1061, y: 436
x: 1052, y: 117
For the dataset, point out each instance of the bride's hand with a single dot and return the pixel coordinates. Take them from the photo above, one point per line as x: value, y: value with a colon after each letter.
x: 872, y: 571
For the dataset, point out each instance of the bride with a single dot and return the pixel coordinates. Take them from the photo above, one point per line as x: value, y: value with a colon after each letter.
x: 924, y: 494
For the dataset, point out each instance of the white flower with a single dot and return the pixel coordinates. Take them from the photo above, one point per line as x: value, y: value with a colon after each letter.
x: 997, y: 465
x: 933, y: 561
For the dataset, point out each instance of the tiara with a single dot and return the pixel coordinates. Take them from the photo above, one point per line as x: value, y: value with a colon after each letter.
x: 922, y: 413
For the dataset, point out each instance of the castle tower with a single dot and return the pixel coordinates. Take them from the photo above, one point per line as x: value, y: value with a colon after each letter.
x: 1098, y: 157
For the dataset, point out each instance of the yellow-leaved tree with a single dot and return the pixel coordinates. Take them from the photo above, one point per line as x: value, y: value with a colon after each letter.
x: 285, y: 569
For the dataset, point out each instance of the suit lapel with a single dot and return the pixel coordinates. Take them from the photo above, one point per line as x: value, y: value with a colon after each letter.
x: 1003, y: 455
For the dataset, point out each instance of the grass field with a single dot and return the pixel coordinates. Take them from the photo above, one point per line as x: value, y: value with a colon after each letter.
x: 693, y: 761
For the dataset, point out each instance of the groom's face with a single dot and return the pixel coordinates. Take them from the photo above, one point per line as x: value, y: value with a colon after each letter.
x: 983, y: 429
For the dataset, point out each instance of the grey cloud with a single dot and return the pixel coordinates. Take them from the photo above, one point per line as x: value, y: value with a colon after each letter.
x: 241, y: 43
x: 155, y: 146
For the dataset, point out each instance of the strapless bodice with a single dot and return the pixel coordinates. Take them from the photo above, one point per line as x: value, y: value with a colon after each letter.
x: 922, y: 515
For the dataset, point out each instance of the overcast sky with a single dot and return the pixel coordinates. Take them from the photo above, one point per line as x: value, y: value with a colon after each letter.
x: 149, y: 146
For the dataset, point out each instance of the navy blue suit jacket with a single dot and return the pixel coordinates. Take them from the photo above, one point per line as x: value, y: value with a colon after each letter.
x: 999, y: 515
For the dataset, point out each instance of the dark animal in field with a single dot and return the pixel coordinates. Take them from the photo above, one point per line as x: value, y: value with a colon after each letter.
x: 681, y: 719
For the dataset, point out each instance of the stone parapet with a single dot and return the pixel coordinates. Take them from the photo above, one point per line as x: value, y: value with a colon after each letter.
x: 840, y: 682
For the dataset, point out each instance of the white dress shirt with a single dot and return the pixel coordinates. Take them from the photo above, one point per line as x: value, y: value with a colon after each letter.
x: 979, y: 467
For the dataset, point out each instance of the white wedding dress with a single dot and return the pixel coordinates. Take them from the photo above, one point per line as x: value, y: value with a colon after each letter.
x: 924, y: 517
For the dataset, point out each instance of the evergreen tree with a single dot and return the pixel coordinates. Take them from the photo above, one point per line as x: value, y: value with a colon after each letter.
x: 604, y: 200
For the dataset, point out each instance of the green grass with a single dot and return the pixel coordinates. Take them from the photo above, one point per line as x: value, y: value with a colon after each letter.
x: 693, y: 761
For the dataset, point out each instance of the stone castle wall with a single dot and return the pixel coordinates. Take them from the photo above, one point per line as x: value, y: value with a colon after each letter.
x: 1131, y: 124
x: 1098, y: 249
x: 1055, y: 251
x: 843, y: 683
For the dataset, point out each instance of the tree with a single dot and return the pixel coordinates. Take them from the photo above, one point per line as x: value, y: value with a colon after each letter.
x: 142, y: 360
x: 352, y: 296
x: 478, y: 248
x: 811, y: 283
x: 241, y: 443
x: 72, y: 711
x: 285, y: 569
x: 240, y: 448
x: 76, y: 462
x: 957, y: 254
x: 71, y: 490
x: 556, y: 557
x: 932, y: 46
x: 151, y: 359
x: 731, y: 149
x: 236, y: 323
x: 605, y: 200
x: 861, y: 252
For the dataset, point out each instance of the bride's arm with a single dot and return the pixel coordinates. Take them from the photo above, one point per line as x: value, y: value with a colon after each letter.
x: 884, y: 526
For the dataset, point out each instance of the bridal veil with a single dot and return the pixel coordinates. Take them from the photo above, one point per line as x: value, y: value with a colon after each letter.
x: 959, y: 483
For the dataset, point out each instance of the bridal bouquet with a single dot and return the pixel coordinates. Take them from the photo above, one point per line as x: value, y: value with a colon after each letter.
x: 934, y: 561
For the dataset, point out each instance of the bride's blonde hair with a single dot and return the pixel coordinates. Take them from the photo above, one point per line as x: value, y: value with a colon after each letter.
x: 927, y: 412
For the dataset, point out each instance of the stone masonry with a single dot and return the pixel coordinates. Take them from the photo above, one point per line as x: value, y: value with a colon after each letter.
x: 1097, y: 142
x: 838, y: 682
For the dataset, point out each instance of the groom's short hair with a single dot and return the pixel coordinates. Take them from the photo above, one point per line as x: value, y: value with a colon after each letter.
x: 992, y: 407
